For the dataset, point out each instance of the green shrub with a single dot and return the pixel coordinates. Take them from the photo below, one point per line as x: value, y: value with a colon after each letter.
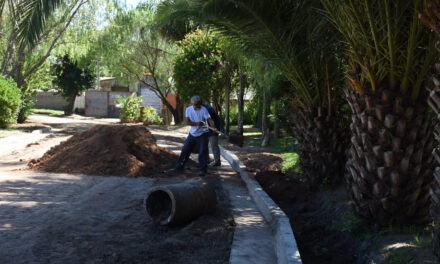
x: 130, y: 108
x: 347, y: 223
x: 10, y: 100
x: 149, y: 115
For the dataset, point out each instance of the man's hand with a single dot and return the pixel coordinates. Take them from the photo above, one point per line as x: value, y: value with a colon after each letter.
x: 200, y: 124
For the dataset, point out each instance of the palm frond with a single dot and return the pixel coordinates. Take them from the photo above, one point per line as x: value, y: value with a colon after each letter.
x: 32, y: 16
x: 289, y: 34
x: 386, y: 42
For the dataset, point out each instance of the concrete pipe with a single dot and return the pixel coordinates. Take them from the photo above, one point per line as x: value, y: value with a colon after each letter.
x: 180, y: 203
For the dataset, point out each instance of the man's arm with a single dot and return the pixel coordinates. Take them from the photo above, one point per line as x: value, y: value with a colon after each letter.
x: 188, y: 122
x: 211, y: 122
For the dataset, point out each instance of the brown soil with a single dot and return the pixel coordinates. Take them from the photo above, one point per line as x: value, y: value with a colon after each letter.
x: 311, y: 218
x: 318, y: 219
x: 118, y: 150
x: 256, y: 158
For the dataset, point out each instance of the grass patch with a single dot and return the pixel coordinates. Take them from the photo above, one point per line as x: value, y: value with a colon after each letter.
x: 290, y: 163
x: 399, y: 230
x: 47, y: 111
x: 281, y: 145
x: 347, y: 223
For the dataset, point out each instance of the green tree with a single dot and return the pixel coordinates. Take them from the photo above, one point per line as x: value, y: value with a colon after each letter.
x: 299, y: 41
x: 391, y: 55
x: 129, y: 47
x: 9, y: 101
x: 71, y: 80
x: 197, y: 68
x: 29, y: 32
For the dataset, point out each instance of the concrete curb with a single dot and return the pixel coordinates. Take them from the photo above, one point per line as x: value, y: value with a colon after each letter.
x: 286, y: 248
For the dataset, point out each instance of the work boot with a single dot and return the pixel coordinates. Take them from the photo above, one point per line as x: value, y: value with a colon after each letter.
x: 202, y: 173
x: 217, y: 164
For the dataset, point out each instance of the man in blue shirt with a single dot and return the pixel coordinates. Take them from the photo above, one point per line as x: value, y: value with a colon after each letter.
x: 213, y: 136
x: 195, y: 116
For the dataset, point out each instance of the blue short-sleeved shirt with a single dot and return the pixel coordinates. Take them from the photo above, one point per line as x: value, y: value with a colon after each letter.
x: 197, y: 116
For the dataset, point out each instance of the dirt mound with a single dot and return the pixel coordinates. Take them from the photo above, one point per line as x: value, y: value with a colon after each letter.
x: 118, y: 150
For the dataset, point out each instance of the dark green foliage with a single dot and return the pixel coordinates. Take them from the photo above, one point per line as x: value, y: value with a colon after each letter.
x: 71, y: 80
x: 197, y: 69
x: 9, y: 101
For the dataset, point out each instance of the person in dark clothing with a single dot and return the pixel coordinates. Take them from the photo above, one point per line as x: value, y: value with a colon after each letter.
x: 213, y: 136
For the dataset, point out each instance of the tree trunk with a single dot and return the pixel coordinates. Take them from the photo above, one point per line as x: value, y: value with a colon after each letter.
x: 227, y: 104
x: 69, y: 107
x: 264, y: 121
x: 320, y: 146
x: 240, y: 115
x: 390, y: 161
x: 178, y: 118
x: 434, y: 102
x: 276, y: 128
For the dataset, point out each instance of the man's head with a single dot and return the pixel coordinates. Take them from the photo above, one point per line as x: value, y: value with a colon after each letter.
x: 196, y: 101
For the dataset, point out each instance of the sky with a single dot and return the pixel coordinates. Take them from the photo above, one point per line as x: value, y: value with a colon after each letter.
x: 132, y: 3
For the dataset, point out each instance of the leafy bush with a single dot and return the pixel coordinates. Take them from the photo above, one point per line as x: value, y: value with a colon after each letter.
x: 130, y: 108
x: 149, y: 116
x: 10, y: 100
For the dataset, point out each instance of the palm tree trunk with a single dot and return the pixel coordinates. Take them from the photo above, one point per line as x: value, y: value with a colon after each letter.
x: 321, y: 146
x: 434, y: 102
x: 390, y: 162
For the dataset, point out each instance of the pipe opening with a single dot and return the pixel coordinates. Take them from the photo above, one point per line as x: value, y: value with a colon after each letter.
x: 159, y: 205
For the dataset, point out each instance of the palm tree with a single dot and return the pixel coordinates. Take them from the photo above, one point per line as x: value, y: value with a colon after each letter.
x: 432, y: 19
x: 391, y: 56
x: 291, y: 35
x: 30, y: 16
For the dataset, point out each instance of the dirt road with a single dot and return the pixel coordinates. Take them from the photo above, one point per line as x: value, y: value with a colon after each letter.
x: 60, y: 218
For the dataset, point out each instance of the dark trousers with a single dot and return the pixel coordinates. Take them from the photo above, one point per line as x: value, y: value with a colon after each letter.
x: 202, y: 143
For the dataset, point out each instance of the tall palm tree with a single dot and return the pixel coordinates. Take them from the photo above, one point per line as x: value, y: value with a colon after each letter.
x: 432, y: 19
x: 391, y: 56
x: 295, y: 38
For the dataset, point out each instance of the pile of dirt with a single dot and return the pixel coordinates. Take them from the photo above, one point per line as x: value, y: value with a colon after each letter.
x: 255, y: 159
x: 116, y: 150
